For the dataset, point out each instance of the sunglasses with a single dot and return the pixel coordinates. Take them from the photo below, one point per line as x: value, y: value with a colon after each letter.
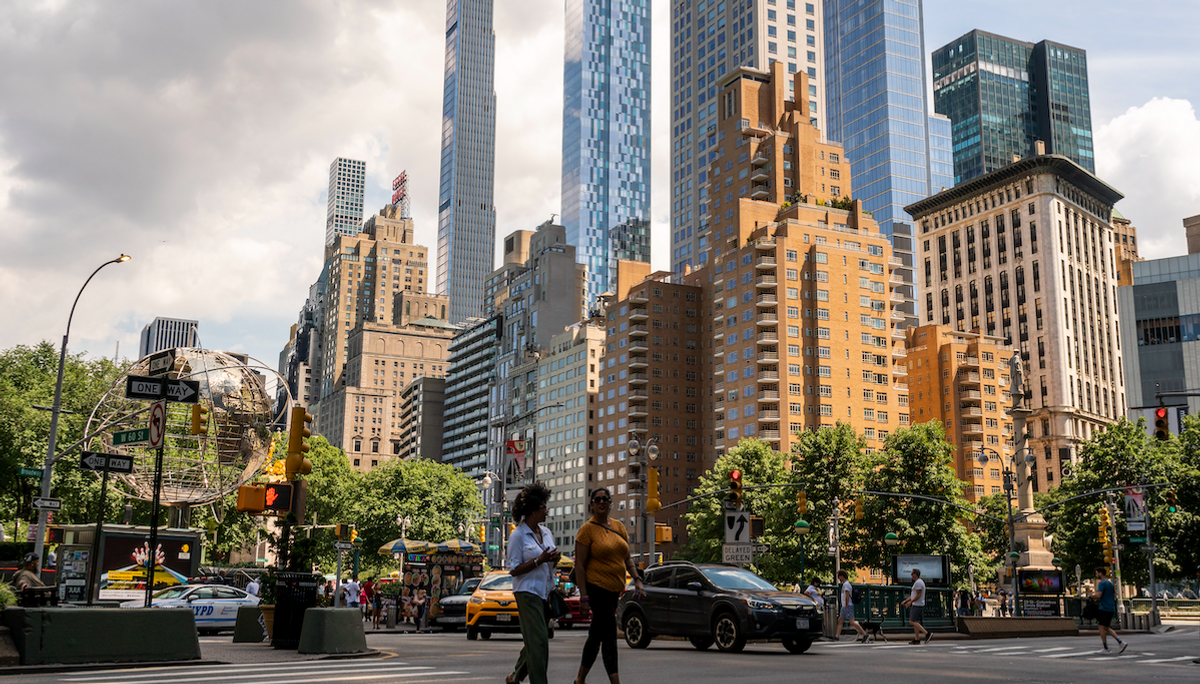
x: 602, y: 499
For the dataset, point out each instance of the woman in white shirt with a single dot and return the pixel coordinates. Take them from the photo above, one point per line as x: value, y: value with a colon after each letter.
x: 532, y: 556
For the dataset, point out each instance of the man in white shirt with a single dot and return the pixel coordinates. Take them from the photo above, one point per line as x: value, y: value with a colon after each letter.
x: 916, y: 609
x: 252, y: 588
x: 846, y: 608
x: 352, y: 591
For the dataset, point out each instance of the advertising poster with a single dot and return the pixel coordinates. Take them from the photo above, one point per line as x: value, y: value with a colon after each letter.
x: 1044, y: 582
x: 1040, y: 607
x: 73, y: 561
x: 124, y: 562
x: 934, y: 569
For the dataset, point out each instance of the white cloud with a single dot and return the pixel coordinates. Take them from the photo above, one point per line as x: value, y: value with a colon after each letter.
x: 1151, y: 154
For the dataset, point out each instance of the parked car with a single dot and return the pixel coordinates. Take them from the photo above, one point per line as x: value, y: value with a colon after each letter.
x: 720, y: 604
x: 452, y: 609
x: 214, y: 606
x: 573, y: 616
x: 493, y: 608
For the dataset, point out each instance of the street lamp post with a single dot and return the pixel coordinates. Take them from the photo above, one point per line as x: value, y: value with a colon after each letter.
x: 1010, y: 486
x: 802, y: 528
x: 40, y: 542
x: 490, y: 478
x: 639, y: 487
x: 891, y: 539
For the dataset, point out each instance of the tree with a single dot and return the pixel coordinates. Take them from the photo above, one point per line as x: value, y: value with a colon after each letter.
x: 27, y: 378
x: 1181, y: 529
x: 830, y: 462
x: 436, y: 496
x: 915, y: 460
x: 759, y: 465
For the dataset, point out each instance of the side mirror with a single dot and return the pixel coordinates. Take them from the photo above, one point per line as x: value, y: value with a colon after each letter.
x: 191, y: 597
x: 695, y: 586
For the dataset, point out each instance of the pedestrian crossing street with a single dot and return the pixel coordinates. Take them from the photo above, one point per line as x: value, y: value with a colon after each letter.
x: 1079, y: 651
x: 306, y: 672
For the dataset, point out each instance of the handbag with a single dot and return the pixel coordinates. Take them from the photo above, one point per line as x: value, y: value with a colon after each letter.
x: 1091, y: 610
x: 556, y: 605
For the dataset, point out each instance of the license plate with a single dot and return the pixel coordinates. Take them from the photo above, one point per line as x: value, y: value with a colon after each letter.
x: 504, y: 617
x: 453, y: 620
x: 801, y: 623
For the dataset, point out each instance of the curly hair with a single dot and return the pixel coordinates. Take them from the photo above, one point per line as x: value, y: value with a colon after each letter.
x: 532, y: 497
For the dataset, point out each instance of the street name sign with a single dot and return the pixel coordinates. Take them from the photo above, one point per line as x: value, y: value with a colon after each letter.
x: 162, y: 362
x: 30, y: 472
x: 343, y: 545
x: 1135, y: 525
x: 47, y: 504
x: 135, y: 436
x: 737, y: 554
x: 92, y: 460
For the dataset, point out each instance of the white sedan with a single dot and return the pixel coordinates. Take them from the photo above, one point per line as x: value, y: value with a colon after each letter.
x: 215, y: 606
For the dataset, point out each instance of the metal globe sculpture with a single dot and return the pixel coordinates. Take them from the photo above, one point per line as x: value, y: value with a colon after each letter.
x: 197, y: 469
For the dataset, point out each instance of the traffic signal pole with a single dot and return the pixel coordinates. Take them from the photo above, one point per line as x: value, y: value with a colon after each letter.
x: 1112, y: 516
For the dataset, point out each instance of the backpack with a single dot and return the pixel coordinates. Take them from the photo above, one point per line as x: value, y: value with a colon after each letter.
x: 856, y: 595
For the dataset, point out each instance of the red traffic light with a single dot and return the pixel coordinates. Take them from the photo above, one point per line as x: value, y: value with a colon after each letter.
x: 1160, y: 412
x: 735, y: 475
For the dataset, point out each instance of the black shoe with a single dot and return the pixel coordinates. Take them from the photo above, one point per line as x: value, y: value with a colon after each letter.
x: 914, y: 642
x: 928, y: 636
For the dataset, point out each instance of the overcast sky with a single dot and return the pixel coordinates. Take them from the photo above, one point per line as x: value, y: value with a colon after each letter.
x: 197, y: 138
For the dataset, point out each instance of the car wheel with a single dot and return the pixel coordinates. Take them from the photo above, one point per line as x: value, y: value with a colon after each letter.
x: 701, y: 643
x: 727, y: 633
x: 472, y: 634
x: 636, y: 634
x: 485, y: 634
x: 796, y: 645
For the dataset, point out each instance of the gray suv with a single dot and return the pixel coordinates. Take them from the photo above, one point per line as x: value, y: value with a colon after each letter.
x: 720, y: 604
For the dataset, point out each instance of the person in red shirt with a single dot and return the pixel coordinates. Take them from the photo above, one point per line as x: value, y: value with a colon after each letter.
x: 369, y: 596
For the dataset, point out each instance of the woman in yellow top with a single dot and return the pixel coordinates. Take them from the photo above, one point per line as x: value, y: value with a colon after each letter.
x: 601, y: 561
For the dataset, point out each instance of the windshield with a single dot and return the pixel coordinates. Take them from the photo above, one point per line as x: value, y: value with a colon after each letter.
x: 497, y: 583
x: 469, y: 586
x: 172, y: 592
x: 736, y: 578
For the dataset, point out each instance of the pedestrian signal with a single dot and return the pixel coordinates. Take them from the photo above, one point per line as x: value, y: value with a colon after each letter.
x: 662, y: 534
x: 341, y: 530
x: 251, y: 498
x: 278, y: 496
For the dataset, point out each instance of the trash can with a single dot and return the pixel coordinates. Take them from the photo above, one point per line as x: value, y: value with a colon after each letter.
x: 295, y: 593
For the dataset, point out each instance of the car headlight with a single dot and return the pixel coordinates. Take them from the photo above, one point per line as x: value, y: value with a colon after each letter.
x: 476, y: 600
x: 761, y: 605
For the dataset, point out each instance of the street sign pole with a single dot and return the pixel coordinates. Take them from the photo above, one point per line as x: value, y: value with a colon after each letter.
x: 337, y: 587
x: 158, y: 421
x: 94, y: 573
x: 1149, y: 548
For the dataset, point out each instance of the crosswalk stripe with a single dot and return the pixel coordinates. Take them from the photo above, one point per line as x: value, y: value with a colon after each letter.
x: 339, y: 676
x: 1115, y: 657
x: 193, y: 671
x: 1167, y: 660
x: 1003, y: 648
x: 1071, y: 655
x: 1051, y: 650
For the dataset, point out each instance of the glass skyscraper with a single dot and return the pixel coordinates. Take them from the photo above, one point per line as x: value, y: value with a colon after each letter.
x: 466, y: 212
x: 710, y: 38
x: 606, y: 127
x: 1003, y: 95
x: 344, y: 208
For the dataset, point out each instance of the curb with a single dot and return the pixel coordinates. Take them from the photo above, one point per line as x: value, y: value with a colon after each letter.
x: 369, y: 653
x: 89, y: 667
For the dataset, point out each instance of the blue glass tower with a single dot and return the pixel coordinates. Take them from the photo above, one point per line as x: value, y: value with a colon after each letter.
x: 875, y: 101
x: 606, y: 127
x: 466, y: 212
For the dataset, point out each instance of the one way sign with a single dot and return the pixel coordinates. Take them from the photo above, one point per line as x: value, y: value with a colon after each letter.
x: 92, y: 460
x: 183, y: 391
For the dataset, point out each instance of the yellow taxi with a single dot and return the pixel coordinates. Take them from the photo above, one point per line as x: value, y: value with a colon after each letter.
x: 493, y: 608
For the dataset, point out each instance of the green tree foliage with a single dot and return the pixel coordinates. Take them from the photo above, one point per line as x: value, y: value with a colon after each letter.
x: 1181, y: 529
x: 27, y: 378
x: 1121, y: 456
x: 830, y: 462
x: 436, y: 496
x: 915, y: 460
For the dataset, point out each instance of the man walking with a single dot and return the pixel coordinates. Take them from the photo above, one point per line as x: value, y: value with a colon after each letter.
x: 846, y: 608
x: 1106, y: 600
x: 916, y: 609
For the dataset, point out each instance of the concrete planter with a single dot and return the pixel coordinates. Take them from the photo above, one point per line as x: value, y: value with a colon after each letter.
x: 251, y: 626
x: 64, y: 636
x: 333, y: 631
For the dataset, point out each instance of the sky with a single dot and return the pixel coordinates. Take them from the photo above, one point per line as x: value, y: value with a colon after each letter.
x: 197, y: 136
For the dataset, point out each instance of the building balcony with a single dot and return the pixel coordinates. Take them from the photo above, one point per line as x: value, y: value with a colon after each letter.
x: 899, y: 370
x: 768, y: 395
x: 639, y: 313
x: 638, y: 297
x: 770, y: 435
x: 768, y: 376
x: 718, y: 333
x: 638, y: 425
x: 768, y: 357
x: 719, y: 423
x: 719, y: 351
x: 765, y: 281
x: 896, y: 278
x: 972, y: 428
x: 973, y: 445
x: 768, y: 415
x: 899, y: 352
x: 768, y: 299
x: 638, y: 395
x: 968, y: 378
x: 760, y: 159
x: 760, y: 191
x: 638, y: 378
x: 638, y: 345
x: 767, y: 318
x: 638, y: 410
x: 761, y: 173
x: 638, y: 330
x: 764, y: 244
x: 767, y: 338
x: 718, y: 369
x: 970, y: 411
x: 970, y: 361
x: 898, y: 315
x: 900, y: 386
x: 639, y: 361
x: 719, y: 387
x: 970, y: 395
x: 898, y: 334
x: 764, y: 262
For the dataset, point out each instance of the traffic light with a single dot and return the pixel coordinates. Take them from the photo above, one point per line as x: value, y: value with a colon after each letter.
x: 199, y: 419
x: 652, y: 502
x: 483, y: 534
x: 757, y: 527
x: 858, y: 509
x: 278, y: 496
x: 297, y: 464
x: 1162, y: 428
x: 663, y: 534
x: 353, y: 535
x: 1102, y: 532
x: 802, y: 502
x: 735, y: 488
x: 341, y: 530
x: 251, y: 498
x: 1172, y: 504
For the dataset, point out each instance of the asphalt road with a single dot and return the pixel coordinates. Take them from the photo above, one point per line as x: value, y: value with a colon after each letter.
x: 451, y: 658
